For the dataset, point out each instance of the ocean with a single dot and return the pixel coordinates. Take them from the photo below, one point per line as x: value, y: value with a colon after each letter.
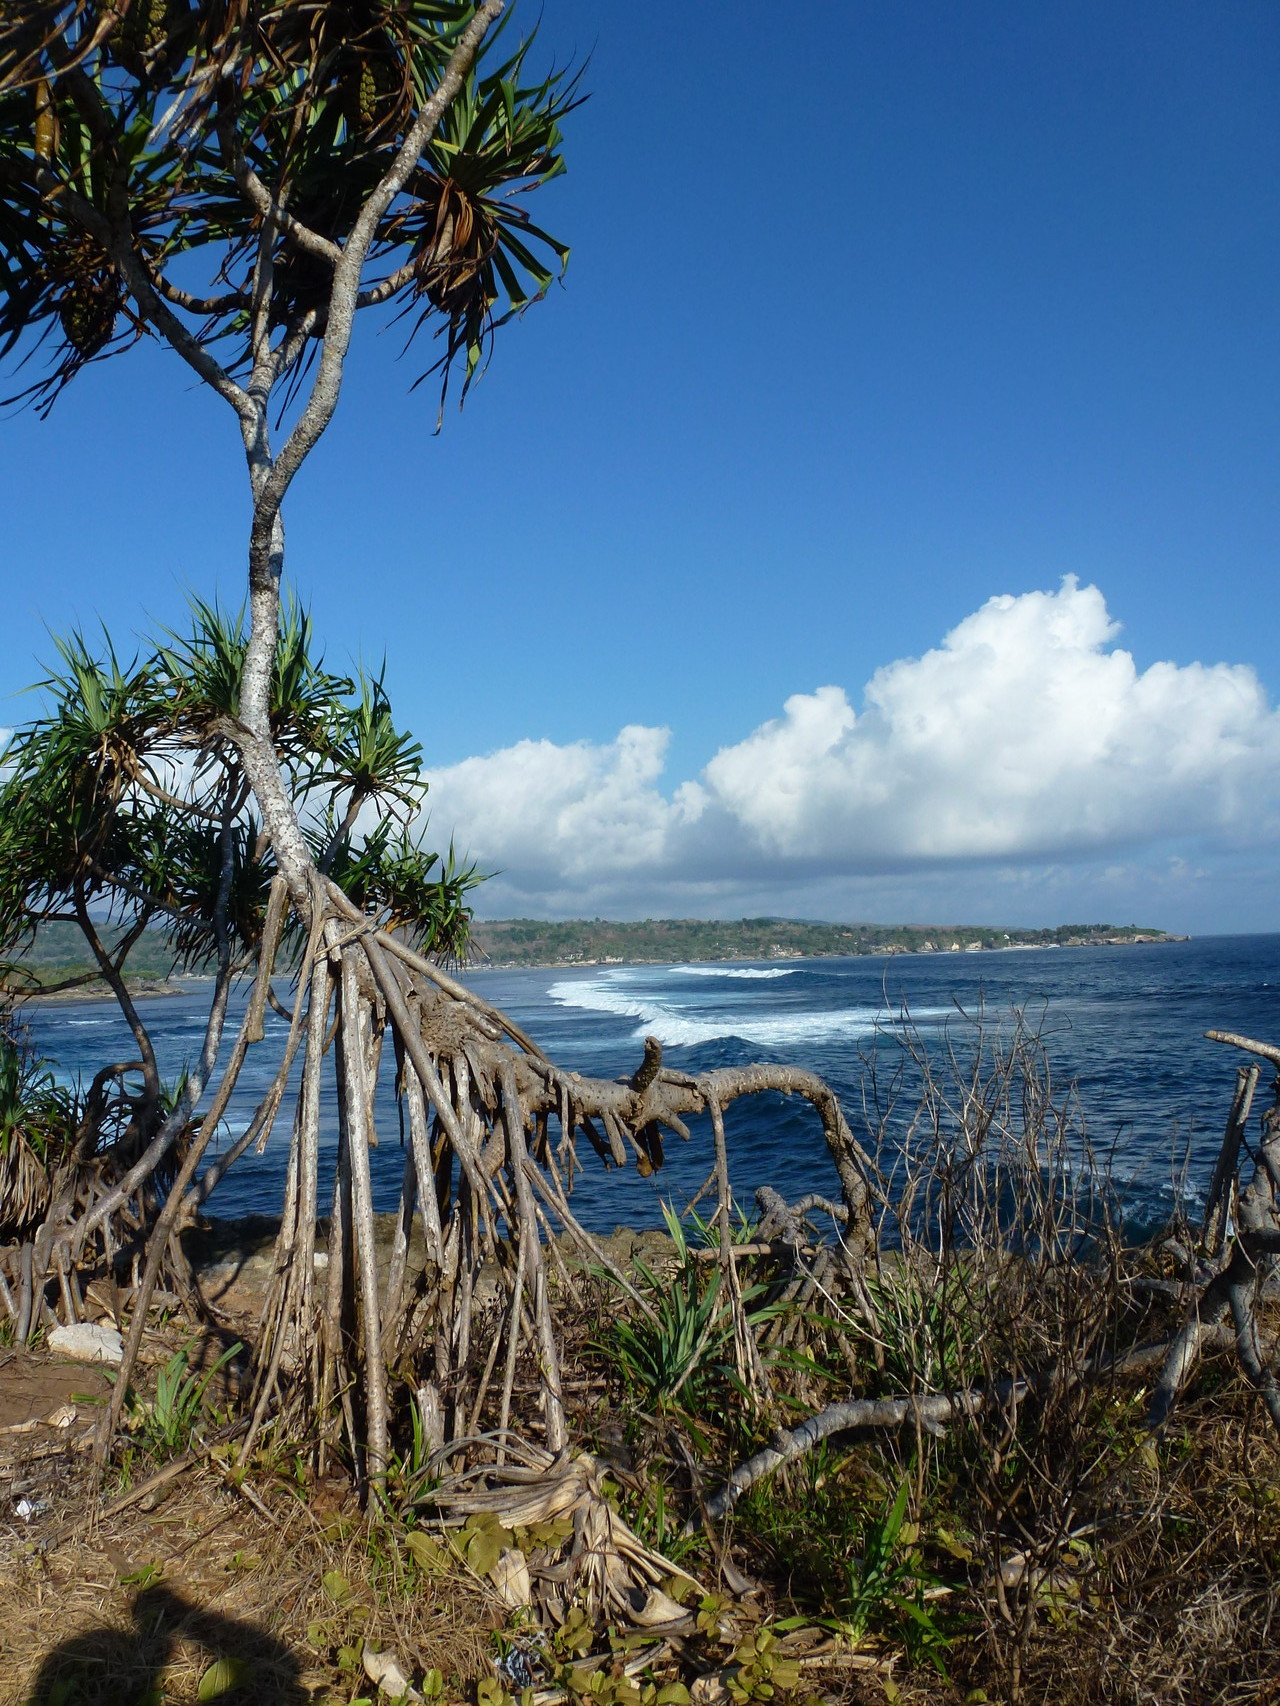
x: 1125, y: 1024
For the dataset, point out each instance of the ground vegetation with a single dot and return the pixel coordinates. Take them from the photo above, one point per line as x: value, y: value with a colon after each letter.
x: 945, y: 1357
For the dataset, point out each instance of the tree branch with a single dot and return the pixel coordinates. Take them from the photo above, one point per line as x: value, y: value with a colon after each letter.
x: 164, y: 1139
x: 109, y: 971
x: 295, y: 340
x: 196, y: 304
x: 344, y: 297
x: 40, y: 989
x: 386, y: 288
x: 119, y: 245
x: 1268, y: 1051
x: 262, y: 201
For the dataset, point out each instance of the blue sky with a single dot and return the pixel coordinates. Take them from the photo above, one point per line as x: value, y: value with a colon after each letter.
x: 876, y: 313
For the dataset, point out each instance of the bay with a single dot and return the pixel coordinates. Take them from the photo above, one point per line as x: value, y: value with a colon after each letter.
x: 1124, y: 1023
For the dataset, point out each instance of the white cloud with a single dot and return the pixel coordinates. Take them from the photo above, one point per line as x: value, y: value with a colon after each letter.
x: 1026, y: 737
x: 1022, y: 735
x: 579, y: 811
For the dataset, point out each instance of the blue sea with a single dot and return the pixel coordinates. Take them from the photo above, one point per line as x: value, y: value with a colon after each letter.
x: 1125, y: 1024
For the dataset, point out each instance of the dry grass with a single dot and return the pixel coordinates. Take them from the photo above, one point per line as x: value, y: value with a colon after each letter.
x: 1186, y: 1608
x: 107, y: 1609
x: 1081, y: 1558
x: 1176, y: 1602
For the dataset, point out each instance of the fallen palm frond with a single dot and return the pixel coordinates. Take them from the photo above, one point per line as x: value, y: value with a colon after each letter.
x: 548, y: 1530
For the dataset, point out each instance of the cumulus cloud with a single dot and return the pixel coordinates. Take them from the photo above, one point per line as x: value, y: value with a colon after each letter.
x: 1027, y: 735
x: 1022, y: 735
x: 577, y: 811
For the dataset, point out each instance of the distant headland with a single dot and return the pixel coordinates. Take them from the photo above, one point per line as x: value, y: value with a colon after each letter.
x: 668, y: 941
x: 55, y: 965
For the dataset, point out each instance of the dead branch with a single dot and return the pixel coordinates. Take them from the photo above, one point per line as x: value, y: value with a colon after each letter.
x: 1237, y: 1287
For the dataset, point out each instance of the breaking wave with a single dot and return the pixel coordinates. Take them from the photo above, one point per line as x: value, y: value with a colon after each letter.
x: 745, y: 972
x: 679, y: 1025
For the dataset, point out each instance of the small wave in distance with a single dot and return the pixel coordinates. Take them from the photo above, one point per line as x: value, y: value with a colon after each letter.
x: 745, y: 973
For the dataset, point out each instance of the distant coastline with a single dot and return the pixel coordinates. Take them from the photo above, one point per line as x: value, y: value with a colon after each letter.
x: 513, y: 943
x: 509, y: 944
x: 141, y: 988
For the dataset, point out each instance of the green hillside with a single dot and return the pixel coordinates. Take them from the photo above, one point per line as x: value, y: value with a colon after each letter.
x: 665, y: 941
x: 59, y: 954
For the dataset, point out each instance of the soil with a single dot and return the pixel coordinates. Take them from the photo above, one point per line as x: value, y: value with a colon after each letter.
x: 130, y: 1590
x: 138, y: 1606
x: 33, y: 1388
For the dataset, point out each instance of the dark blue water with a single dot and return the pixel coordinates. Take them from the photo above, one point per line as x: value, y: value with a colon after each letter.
x: 1125, y: 1023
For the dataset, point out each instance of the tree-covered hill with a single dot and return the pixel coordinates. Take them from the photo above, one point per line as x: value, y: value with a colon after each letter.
x: 528, y: 941
x: 58, y: 953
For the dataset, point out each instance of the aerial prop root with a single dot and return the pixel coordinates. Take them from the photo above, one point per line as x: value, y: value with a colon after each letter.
x: 486, y: 1089
x: 483, y: 1188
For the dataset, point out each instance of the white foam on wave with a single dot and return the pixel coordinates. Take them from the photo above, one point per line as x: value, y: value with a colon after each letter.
x: 684, y: 1028
x: 746, y: 972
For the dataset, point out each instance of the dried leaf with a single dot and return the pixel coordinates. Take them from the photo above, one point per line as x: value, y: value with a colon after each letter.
x: 510, y: 1575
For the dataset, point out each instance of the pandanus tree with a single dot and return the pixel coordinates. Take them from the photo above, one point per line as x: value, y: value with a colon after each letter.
x: 239, y: 179
x: 124, y: 808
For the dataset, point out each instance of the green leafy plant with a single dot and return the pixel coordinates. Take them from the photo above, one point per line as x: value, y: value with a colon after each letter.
x: 925, y: 1330
x: 854, y: 1571
x: 885, y: 1585
x: 760, y: 1668
x: 651, y: 1516
x: 222, y: 1677
x: 38, y: 1123
x: 673, y: 1351
x: 167, y: 1423
x: 575, y: 1635
x: 601, y: 1687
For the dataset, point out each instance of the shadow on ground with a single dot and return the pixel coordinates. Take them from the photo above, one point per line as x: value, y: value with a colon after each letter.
x: 114, y: 1666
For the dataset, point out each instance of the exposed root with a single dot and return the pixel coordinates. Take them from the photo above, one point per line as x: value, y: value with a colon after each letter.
x: 485, y: 1183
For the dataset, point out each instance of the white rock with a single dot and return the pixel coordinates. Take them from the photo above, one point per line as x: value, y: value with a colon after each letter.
x: 88, y: 1343
x: 383, y: 1669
